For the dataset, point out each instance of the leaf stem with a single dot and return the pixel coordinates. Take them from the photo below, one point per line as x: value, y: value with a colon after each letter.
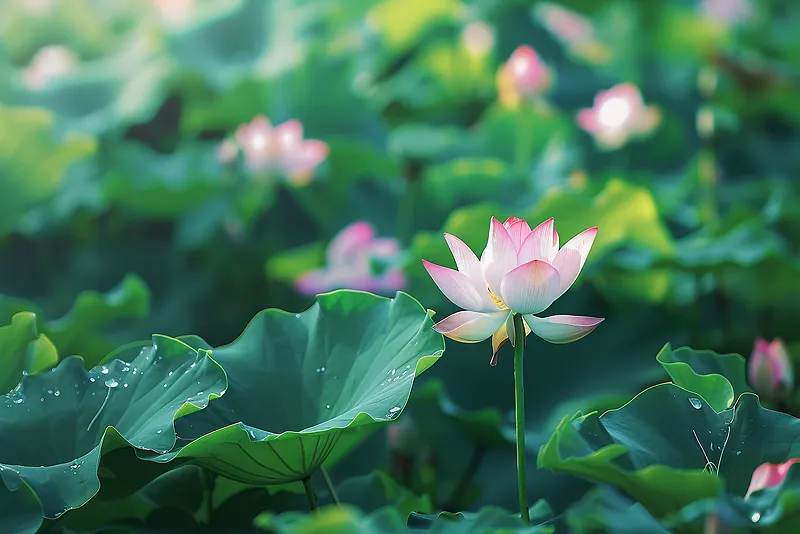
x: 313, y: 504
x: 462, y: 486
x: 519, y: 402
x: 329, y: 483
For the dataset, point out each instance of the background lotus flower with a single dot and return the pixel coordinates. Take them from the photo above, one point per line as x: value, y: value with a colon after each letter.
x: 770, y: 370
x: 477, y: 39
x: 280, y: 149
x: 727, y: 12
x: 769, y: 475
x: 520, y: 271
x: 350, y: 258
x: 49, y: 63
x: 574, y: 31
x: 618, y: 115
x: 522, y: 76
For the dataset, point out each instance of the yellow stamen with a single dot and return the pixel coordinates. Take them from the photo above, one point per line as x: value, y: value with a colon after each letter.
x: 497, y: 300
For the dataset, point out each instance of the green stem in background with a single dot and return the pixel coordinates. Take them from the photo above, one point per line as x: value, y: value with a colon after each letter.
x: 329, y: 484
x: 519, y: 402
x: 406, y: 209
x: 461, y: 488
x: 313, y: 504
x: 209, y: 481
x: 522, y: 143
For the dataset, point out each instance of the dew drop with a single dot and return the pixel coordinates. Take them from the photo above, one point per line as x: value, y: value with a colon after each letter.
x: 393, y: 371
x: 125, y: 369
x: 738, y: 453
x: 170, y: 373
x: 50, y: 391
x: 105, y: 370
x: 19, y: 400
x: 124, y: 385
x: 297, y: 315
x: 756, y: 517
x: 165, y: 385
x: 111, y: 383
x: 328, y: 406
x: 91, y: 379
x: 159, y: 431
x: 24, y: 372
x: 695, y: 402
x: 56, y: 393
x: 42, y: 399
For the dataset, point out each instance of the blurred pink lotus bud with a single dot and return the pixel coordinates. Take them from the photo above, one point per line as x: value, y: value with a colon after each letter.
x: 403, y: 437
x: 770, y: 370
x: 477, y: 39
x: 280, y: 149
x: 49, y: 63
x: 618, y: 115
x: 174, y: 11
x: 522, y: 76
x: 727, y: 12
x: 575, y: 32
x: 227, y: 152
x: 350, y: 258
x: 37, y: 7
x: 769, y: 475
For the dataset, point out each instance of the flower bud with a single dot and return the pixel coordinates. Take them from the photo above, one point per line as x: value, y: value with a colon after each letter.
x: 770, y: 371
x: 769, y: 475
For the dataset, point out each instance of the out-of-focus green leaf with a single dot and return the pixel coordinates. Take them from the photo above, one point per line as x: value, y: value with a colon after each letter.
x: 20, y: 509
x: 376, y: 490
x: 32, y: 161
x: 23, y: 351
x: 605, y: 510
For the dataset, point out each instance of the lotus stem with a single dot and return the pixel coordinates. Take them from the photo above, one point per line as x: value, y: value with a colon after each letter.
x: 519, y: 402
x: 329, y: 483
x: 313, y: 504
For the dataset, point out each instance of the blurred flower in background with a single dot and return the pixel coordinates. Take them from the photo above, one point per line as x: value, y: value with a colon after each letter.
x: 354, y: 260
x: 769, y: 475
x: 523, y: 76
x: 174, y: 11
x: 573, y: 31
x: 770, y: 370
x: 49, y: 63
x: 477, y: 39
x: 727, y: 12
x: 617, y: 116
x: 275, y: 149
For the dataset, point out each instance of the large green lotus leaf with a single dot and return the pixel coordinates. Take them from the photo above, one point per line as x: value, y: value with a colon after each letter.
x: 307, y: 387
x: 719, y: 379
x: 23, y: 350
x: 656, y: 447
x: 33, y: 161
x: 745, y: 244
x: 57, y: 425
x: 774, y: 510
x: 78, y: 331
x: 20, y: 509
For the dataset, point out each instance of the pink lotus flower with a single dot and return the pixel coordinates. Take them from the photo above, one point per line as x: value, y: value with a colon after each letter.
x: 280, y: 149
x: 522, y: 76
x: 769, y: 475
x: 174, y: 11
x: 520, y: 271
x: 350, y: 256
x: 770, y: 370
x: 49, y: 63
x: 477, y: 38
x: 618, y: 115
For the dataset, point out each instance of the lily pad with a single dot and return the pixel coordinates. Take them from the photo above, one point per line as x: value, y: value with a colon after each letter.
x: 307, y: 387
x: 56, y: 426
x: 605, y: 509
x: 719, y: 379
x: 488, y: 519
x: 667, y: 448
x: 23, y: 350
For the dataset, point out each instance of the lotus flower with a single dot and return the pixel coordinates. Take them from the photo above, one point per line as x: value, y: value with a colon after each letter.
x: 770, y: 370
x: 618, y: 115
x: 49, y: 63
x: 769, y: 475
x: 174, y: 11
x: 280, y: 149
x: 522, y: 76
x: 520, y: 271
x: 350, y: 256
x: 477, y: 38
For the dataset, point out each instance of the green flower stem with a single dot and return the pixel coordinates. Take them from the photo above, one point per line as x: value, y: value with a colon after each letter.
x: 519, y: 401
x: 329, y: 484
x: 313, y: 504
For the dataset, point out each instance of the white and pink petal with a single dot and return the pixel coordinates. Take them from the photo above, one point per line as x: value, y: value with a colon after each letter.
x: 470, y: 326
x: 539, y: 243
x: 562, y: 328
x: 459, y: 288
x: 570, y: 259
x: 499, y: 256
x: 531, y: 287
x: 466, y: 260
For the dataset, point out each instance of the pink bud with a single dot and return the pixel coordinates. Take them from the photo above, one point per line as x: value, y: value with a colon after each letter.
x: 49, y: 63
x: 403, y: 436
x: 770, y: 371
x: 525, y: 73
x: 769, y: 475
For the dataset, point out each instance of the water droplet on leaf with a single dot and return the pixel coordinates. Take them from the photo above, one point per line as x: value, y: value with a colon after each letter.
x: 695, y: 402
